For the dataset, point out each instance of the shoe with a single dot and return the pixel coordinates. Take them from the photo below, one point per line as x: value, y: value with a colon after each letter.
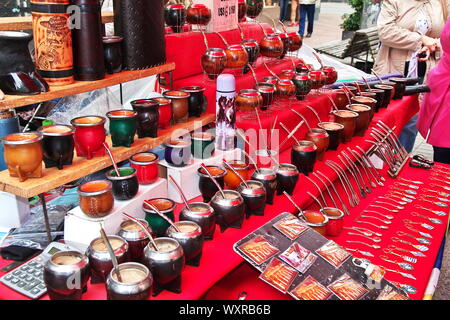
x: 291, y: 24
x: 297, y: 24
x: 308, y: 35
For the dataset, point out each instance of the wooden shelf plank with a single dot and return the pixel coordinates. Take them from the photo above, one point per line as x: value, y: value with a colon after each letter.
x: 24, y: 23
x: 53, y: 178
x: 12, y: 101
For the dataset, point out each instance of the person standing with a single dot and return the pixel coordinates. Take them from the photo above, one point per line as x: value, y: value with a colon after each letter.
x: 307, y: 10
x: 434, y: 114
x: 294, y: 7
x: 407, y: 29
x: 283, y: 9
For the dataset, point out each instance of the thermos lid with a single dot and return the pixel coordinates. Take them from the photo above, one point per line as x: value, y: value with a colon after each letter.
x: 226, y: 83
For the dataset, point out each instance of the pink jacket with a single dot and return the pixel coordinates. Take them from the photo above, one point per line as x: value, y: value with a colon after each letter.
x: 434, y: 115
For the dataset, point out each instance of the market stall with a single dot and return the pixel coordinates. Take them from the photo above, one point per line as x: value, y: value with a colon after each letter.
x: 179, y: 195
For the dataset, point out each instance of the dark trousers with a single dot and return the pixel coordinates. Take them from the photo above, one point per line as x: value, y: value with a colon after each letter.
x: 284, y: 9
x: 441, y: 155
x: 306, y: 10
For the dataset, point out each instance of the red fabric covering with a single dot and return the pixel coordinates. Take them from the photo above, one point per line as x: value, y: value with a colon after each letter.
x: 218, y: 256
x: 186, y: 49
x: 245, y: 277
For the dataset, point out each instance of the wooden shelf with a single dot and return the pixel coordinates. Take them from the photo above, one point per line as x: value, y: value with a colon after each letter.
x: 24, y: 23
x: 81, y: 167
x: 12, y: 101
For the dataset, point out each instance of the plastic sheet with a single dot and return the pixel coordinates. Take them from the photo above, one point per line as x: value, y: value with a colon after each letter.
x: 32, y: 234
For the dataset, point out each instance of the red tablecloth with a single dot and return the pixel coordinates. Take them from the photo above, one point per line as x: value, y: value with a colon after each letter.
x: 218, y: 256
x: 245, y: 277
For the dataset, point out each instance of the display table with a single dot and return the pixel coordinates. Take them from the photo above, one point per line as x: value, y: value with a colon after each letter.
x: 245, y: 277
x: 197, y: 281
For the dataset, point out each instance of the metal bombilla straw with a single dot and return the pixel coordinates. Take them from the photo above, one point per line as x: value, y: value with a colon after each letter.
x: 318, y: 59
x: 332, y: 102
x: 251, y: 159
x: 295, y: 205
x: 162, y: 215
x: 180, y: 192
x: 235, y: 172
x: 144, y: 228
x: 287, y: 131
x: 111, y: 253
x: 317, y: 200
x: 213, y: 180
x: 108, y: 150
x: 378, y: 77
x: 367, y: 83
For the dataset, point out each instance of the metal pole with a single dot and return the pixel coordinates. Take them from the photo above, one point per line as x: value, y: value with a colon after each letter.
x: 47, y: 223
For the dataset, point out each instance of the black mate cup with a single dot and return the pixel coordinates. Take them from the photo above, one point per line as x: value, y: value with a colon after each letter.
x: 135, y: 284
x: 166, y: 264
x: 207, y: 187
x: 66, y: 275
x: 303, y: 156
x: 136, y: 237
x: 57, y: 145
x: 202, y: 214
x: 126, y: 186
x: 254, y: 196
x: 190, y: 237
x: 268, y: 178
x: 287, y: 176
x: 230, y: 211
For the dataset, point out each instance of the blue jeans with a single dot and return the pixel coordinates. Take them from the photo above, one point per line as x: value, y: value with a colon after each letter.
x: 283, y: 10
x: 408, y: 134
x: 306, y: 10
